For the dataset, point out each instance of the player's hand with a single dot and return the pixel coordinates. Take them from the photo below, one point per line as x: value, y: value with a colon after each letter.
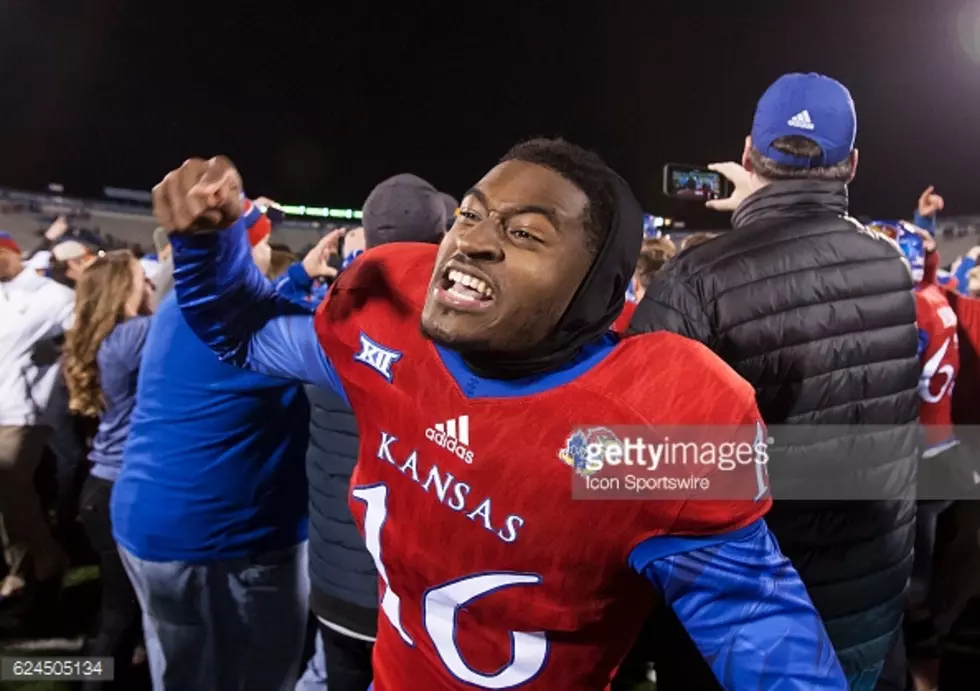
x: 974, y: 253
x: 200, y: 195
x: 743, y: 184
x: 316, y: 262
x: 930, y: 203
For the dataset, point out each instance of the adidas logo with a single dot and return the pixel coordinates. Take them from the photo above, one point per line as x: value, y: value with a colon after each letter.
x: 801, y: 120
x: 454, y: 436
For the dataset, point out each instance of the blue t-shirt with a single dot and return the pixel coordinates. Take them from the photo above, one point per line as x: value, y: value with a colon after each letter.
x: 214, y: 464
x: 119, y: 363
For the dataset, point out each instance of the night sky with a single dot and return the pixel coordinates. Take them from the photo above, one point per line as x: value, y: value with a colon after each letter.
x: 317, y: 102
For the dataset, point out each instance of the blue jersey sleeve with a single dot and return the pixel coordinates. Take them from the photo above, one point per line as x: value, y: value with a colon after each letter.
x: 295, y: 284
x: 923, y: 342
x: 927, y: 223
x: 237, y: 313
x: 745, y: 608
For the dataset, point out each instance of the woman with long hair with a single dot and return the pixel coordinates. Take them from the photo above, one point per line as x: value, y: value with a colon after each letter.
x: 102, y: 358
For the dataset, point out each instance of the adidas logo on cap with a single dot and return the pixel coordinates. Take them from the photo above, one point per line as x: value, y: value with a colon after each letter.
x: 801, y: 120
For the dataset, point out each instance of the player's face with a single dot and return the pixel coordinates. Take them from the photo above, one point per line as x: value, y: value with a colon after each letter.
x: 10, y: 264
x: 510, y: 265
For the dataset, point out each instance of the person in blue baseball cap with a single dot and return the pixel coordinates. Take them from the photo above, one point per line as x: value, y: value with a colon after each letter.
x: 817, y: 314
x: 804, y: 128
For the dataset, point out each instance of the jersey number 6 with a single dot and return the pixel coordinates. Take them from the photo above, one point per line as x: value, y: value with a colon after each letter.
x: 441, y: 604
x: 929, y: 372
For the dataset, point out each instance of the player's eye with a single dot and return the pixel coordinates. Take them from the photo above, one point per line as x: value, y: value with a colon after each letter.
x: 467, y: 216
x: 522, y: 235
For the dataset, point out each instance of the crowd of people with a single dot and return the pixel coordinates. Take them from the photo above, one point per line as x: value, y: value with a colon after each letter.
x: 355, y: 469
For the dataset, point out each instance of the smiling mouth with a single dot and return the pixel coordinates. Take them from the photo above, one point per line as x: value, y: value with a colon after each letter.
x: 464, y: 292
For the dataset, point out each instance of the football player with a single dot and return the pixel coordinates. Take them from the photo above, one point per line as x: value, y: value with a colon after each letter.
x: 469, y: 367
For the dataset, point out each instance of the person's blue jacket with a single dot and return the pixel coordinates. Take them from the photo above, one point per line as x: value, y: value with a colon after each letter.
x: 214, y: 464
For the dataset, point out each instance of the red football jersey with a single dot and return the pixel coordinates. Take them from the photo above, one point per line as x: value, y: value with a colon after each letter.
x: 966, y: 404
x: 622, y: 322
x: 940, y: 364
x: 491, y: 575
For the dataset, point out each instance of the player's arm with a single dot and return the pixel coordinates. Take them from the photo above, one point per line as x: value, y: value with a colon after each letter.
x: 745, y: 608
x: 237, y: 313
x: 223, y: 296
x: 670, y: 304
x: 721, y: 571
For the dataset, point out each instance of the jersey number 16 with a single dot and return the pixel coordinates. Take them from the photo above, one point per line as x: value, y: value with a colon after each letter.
x: 441, y: 605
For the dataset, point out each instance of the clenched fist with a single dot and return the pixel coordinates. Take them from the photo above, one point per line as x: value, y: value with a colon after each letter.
x: 200, y: 195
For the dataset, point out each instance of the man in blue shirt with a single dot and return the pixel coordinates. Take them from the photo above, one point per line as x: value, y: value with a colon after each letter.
x: 210, y: 513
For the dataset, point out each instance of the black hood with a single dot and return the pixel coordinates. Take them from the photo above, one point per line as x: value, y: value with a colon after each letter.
x: 597, y: 303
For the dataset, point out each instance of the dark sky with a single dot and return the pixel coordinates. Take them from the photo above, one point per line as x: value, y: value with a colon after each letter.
x: 316, y: 102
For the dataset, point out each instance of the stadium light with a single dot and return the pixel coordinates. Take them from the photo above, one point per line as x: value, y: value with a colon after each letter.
x: 320, y: 211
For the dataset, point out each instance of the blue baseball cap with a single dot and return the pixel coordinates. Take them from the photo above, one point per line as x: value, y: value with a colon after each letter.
x: 809, y: 105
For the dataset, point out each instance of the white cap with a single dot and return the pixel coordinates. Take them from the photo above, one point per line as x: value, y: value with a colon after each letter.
x: 69, y: 249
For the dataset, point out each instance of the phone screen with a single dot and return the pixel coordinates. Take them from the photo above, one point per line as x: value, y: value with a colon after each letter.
x: 694, y: 183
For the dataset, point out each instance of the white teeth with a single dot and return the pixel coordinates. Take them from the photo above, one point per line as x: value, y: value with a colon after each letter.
x: 459, y: 278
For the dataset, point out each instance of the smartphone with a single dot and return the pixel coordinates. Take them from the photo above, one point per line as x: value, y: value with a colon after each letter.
x: 275, y: 214
x: 694, y: 183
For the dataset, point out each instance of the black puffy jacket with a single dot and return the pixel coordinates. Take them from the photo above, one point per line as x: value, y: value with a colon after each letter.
x: 343, y: 580
x: 819, y: 316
